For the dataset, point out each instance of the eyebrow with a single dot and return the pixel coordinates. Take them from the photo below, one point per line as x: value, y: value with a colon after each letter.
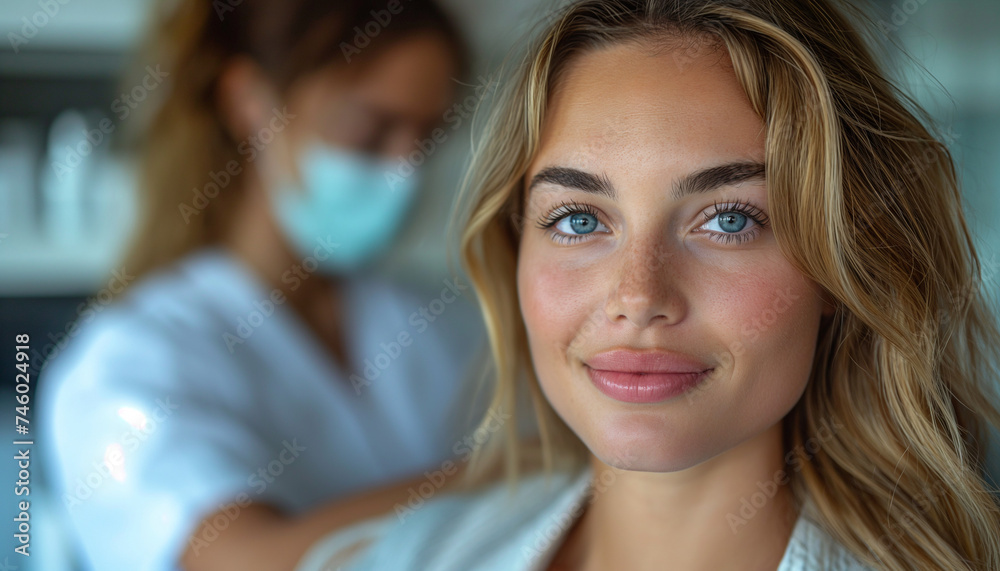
x: 705, y: 180
x: 576, y: 179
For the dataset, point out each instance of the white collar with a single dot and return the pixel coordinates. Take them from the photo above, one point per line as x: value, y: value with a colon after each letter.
x: 810, y: 548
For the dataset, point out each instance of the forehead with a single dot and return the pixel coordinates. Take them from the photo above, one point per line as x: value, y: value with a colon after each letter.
x: 411, y: 78
x: 642, y: 109
x: 414, y: 73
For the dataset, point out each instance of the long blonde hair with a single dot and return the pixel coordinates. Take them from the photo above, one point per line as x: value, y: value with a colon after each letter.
x: 866, y: 203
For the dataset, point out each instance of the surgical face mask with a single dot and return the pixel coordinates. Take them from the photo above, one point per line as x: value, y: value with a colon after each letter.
x: 346, y: 208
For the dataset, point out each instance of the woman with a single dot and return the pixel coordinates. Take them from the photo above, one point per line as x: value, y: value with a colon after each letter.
x: 752, y: 317
x: 256, y: 370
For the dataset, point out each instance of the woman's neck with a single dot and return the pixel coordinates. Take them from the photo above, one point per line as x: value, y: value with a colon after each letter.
x: 725, y: 513
x: 254, y: 237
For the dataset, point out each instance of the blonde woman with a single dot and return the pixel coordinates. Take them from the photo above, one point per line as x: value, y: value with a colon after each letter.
x: 706, y: 241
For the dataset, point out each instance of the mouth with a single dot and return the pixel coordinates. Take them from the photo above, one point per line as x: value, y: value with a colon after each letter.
x: 644, y: 377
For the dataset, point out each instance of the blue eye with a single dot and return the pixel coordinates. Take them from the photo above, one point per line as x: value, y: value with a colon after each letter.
x: 571, y: 221
x: 579, y: 223
x: 731, y: 220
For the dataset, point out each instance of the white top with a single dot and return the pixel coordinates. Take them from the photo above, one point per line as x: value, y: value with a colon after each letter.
x: 192, y: 395
x: 491, y: 530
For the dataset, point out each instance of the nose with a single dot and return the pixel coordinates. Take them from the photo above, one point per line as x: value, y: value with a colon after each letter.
x: 646, y: 287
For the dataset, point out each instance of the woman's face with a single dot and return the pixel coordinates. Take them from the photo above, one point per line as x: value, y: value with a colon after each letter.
x: 381, y: 105
x: 664, y: 323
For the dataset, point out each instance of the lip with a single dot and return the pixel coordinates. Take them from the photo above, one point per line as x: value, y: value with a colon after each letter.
x: 646, y: 376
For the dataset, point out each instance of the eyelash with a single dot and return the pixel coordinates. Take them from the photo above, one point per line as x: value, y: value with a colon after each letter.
x: 565, y: 209
x: 760, y: 219
x: 561, y: 211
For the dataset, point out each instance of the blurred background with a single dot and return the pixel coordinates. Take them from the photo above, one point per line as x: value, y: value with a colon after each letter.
x: 66, y: 205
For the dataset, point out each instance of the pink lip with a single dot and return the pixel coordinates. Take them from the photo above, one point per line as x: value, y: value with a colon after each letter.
x: 644, y: 377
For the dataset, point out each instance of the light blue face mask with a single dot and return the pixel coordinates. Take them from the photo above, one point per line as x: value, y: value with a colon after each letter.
x: 347, y: 208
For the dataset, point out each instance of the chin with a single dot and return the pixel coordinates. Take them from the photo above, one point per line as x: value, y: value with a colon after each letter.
x: 647, y: 441
x: 664, y: 437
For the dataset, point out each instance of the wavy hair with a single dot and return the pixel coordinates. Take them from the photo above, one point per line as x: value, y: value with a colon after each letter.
x: 866, y: 203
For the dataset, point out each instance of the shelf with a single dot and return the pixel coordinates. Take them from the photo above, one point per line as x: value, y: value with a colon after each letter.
x: 31, y: 268
x: 73, y: 24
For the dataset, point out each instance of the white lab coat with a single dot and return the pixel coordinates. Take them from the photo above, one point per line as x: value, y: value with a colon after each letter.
x: 189, y: 396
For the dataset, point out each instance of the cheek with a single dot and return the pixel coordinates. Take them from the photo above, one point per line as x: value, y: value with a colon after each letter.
x: 554, y: 299
x: 766, y: 323
x: 560, y: 298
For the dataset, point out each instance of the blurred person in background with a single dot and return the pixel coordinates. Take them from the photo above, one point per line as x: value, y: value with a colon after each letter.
x: 258, y: 370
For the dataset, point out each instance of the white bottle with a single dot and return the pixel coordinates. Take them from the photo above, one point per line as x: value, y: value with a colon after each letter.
x: 20, y: 144
x: 66, y: 172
